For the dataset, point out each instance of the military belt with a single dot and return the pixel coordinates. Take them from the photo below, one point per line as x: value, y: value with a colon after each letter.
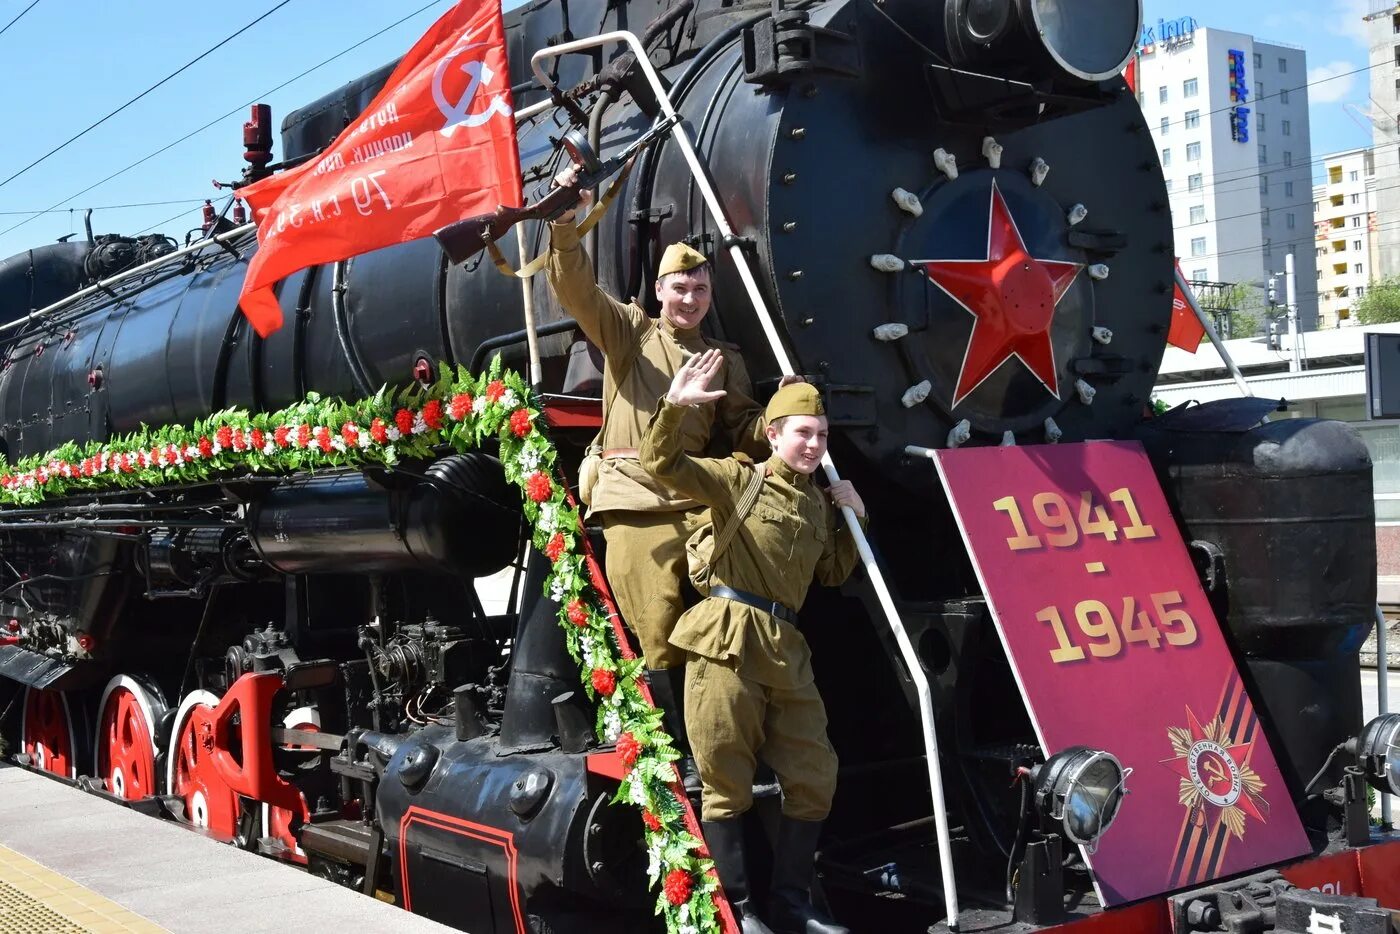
x: 784, y: 613
x: 619, y: 453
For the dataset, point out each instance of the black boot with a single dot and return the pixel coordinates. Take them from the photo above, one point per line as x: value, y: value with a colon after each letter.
x: 790, y: 903
x: 725, y: 838
x: 668, y: 690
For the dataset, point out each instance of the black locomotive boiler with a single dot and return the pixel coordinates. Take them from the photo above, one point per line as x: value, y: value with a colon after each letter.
x: 440, y: 751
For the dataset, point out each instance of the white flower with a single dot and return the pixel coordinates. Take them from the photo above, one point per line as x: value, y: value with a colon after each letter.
x: 588, y: 648
x: 508, y: 400
x: 479, y: 404
x: 687, y: 928
x: 684, y: 914
x: 556, y: 589
x: 654, y: 859
x: 419, y: 425
x: 364, y: 440
x: 269, y: 447
x: 616, y: 699
x: 549, y: 518
x: 612, y: 725
x: 338, y: 444
x: 637, y: 793
x: 393, y: 433
x: 529, y: 460
x: 217, y: 447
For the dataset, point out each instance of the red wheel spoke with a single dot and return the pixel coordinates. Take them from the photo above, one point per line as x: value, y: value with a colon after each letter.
x: 126, y: 755
x: 48, y: 739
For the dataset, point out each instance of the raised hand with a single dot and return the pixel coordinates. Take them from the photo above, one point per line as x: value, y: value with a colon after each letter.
x: 843, y: 493
x: 690, y: 386
x: 567, y: 176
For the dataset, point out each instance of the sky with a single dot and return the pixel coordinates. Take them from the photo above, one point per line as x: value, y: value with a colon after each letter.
x: 68, y: 63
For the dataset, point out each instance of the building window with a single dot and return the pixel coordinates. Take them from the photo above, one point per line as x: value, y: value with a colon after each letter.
x: 1193, y: 119
x: 1353, y: 176
x: 1169, y: 184
x: 1263, y: 184
x: 1264, y: 217
x: 1287, y: 157
x: 1287, y: 128
x: 1193, y: 182
x: 1283, y: 96
x: 1199, y: 275
x: 1193, y: 152
x: 1268, y: 248
x: 1356, y: 268
x: 1258, y: 62
x: 1166, y: 125
x: 1259, y: 91
x: 1198, y: 214
x: 1283, y: 65
x: 1356, y: 220
x: 1288, y: 189
x: 1263, y: 153
x: 1356, y: 244
x: 1292, y: 221
x: 1166, y: 157
x: 1260, y: 123
x: 1355, y: 199
x: 1188, y: 88
x: 1162, y: 91
x: 1360, y: 291
x: 1198, y: 246
x: 1397, y: 88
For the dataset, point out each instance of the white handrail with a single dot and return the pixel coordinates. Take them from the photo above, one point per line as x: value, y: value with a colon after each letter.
x: 765, y: 319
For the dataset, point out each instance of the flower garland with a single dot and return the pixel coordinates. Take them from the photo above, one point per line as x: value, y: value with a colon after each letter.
x: 460, y: 412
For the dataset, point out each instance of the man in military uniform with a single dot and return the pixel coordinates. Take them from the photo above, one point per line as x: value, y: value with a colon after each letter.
x: 644, y: 522
x: 750, y: 692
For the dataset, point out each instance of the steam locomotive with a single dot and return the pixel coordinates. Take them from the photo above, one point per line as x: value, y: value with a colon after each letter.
x: 442, y: 755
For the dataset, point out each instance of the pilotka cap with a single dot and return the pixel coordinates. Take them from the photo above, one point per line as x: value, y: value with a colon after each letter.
x: 794, y: 399
x: 680, y: 258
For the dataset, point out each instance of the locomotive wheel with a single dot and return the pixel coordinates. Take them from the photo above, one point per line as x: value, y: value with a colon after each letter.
x: 189, y: 774
x: 46, y: 732
x: 125, y: 750
x: 280, y: 823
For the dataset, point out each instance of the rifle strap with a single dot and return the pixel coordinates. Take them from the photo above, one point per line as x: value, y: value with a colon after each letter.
x: 588, y: 223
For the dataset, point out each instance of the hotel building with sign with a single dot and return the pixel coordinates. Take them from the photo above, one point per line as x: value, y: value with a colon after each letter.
x: 1229, y: 114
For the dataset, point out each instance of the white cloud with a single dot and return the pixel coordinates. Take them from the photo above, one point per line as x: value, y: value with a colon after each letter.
x: 1329, y: 92
x: 1347, y: 19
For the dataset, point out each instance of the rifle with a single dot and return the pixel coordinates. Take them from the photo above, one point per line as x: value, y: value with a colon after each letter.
x: 464, y: 239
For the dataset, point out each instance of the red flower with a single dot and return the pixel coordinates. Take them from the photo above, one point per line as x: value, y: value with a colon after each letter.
x: 461, y: 406
x: 520, y: 422
x: 604, y: 682
x: 224, y: 436
x: 677, y: 887
x: 126, y: 466
x: 154, y: 458
x: 206, y: 447
x: 403, y: 418
x: 238, y: 443
x: 303, y: 435
x: 378, y: 431
x: 350, y: 434
x: 258, y: 439
x: 495, y: 390
x: 279, y: 436
x: 538, y: 486
x: 628, y: 749
x: 432, y: 414
x: 323, y: 438
x: 652, y: 821
x: 577, y: 612
x: 555, y: 549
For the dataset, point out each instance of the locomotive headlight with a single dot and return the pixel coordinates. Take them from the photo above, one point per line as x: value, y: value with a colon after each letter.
x: 1081, y: 789
x: 1090, y: 39
x: 1378, y: 752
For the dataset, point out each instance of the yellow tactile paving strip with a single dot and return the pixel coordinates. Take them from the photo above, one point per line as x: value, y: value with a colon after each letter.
x: 37, y: 900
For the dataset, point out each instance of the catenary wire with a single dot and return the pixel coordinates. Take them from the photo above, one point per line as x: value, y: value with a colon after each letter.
x: 222, y: 117
x: 92, y: 126
x: 106, y: 207
x: 18, y: 16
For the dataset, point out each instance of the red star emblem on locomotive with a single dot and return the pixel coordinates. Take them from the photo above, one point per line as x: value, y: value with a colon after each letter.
x: 1012, y: 297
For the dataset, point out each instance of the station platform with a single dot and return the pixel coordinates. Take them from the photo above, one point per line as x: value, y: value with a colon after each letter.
x: 72, y: 863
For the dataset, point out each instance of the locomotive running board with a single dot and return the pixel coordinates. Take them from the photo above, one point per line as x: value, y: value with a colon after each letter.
x: 699, y: 172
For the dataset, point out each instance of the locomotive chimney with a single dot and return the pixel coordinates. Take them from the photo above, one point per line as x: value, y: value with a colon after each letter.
x: 257, y: 141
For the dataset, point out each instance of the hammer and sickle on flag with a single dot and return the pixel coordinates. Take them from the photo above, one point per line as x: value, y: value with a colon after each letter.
x: 435, y: 145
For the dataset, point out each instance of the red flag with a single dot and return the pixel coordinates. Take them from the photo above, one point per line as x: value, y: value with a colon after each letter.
x: 1186, y: 329
x: 1130, y: 73
x: 436, y: 145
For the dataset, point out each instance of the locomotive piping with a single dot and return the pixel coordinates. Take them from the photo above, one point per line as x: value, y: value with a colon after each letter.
x: 342, y: 330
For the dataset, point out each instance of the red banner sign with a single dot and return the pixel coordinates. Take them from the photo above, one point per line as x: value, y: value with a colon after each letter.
x: 1115, y: 647
x: 436, y: 145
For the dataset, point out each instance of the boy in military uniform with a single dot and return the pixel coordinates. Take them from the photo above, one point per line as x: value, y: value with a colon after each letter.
x: 644, y: 522
x: 750, y: 692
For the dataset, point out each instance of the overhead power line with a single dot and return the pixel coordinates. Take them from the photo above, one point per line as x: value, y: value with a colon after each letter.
x: 92, y: 126
x: 240, y: 108
x: 108, y: 207
x: 18, y: 15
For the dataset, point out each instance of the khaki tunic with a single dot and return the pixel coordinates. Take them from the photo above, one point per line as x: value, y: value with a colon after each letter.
x: 646, y: 550
x: 749, y: 687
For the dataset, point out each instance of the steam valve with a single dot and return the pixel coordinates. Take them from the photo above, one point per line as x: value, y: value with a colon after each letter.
x: 210, y: 217
x: 257, y: 138
x: 240, y: 213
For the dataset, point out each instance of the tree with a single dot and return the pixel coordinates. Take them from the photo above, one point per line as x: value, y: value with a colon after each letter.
x: 1243, y: 303
x: 1381, y: 303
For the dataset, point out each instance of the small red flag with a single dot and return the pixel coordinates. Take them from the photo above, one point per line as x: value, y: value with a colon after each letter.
x: 437, y: 144
x: 1130, y: 73
x: 1186, y: 329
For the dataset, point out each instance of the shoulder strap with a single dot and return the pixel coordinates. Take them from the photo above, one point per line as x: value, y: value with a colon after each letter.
x: 741, y: 512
